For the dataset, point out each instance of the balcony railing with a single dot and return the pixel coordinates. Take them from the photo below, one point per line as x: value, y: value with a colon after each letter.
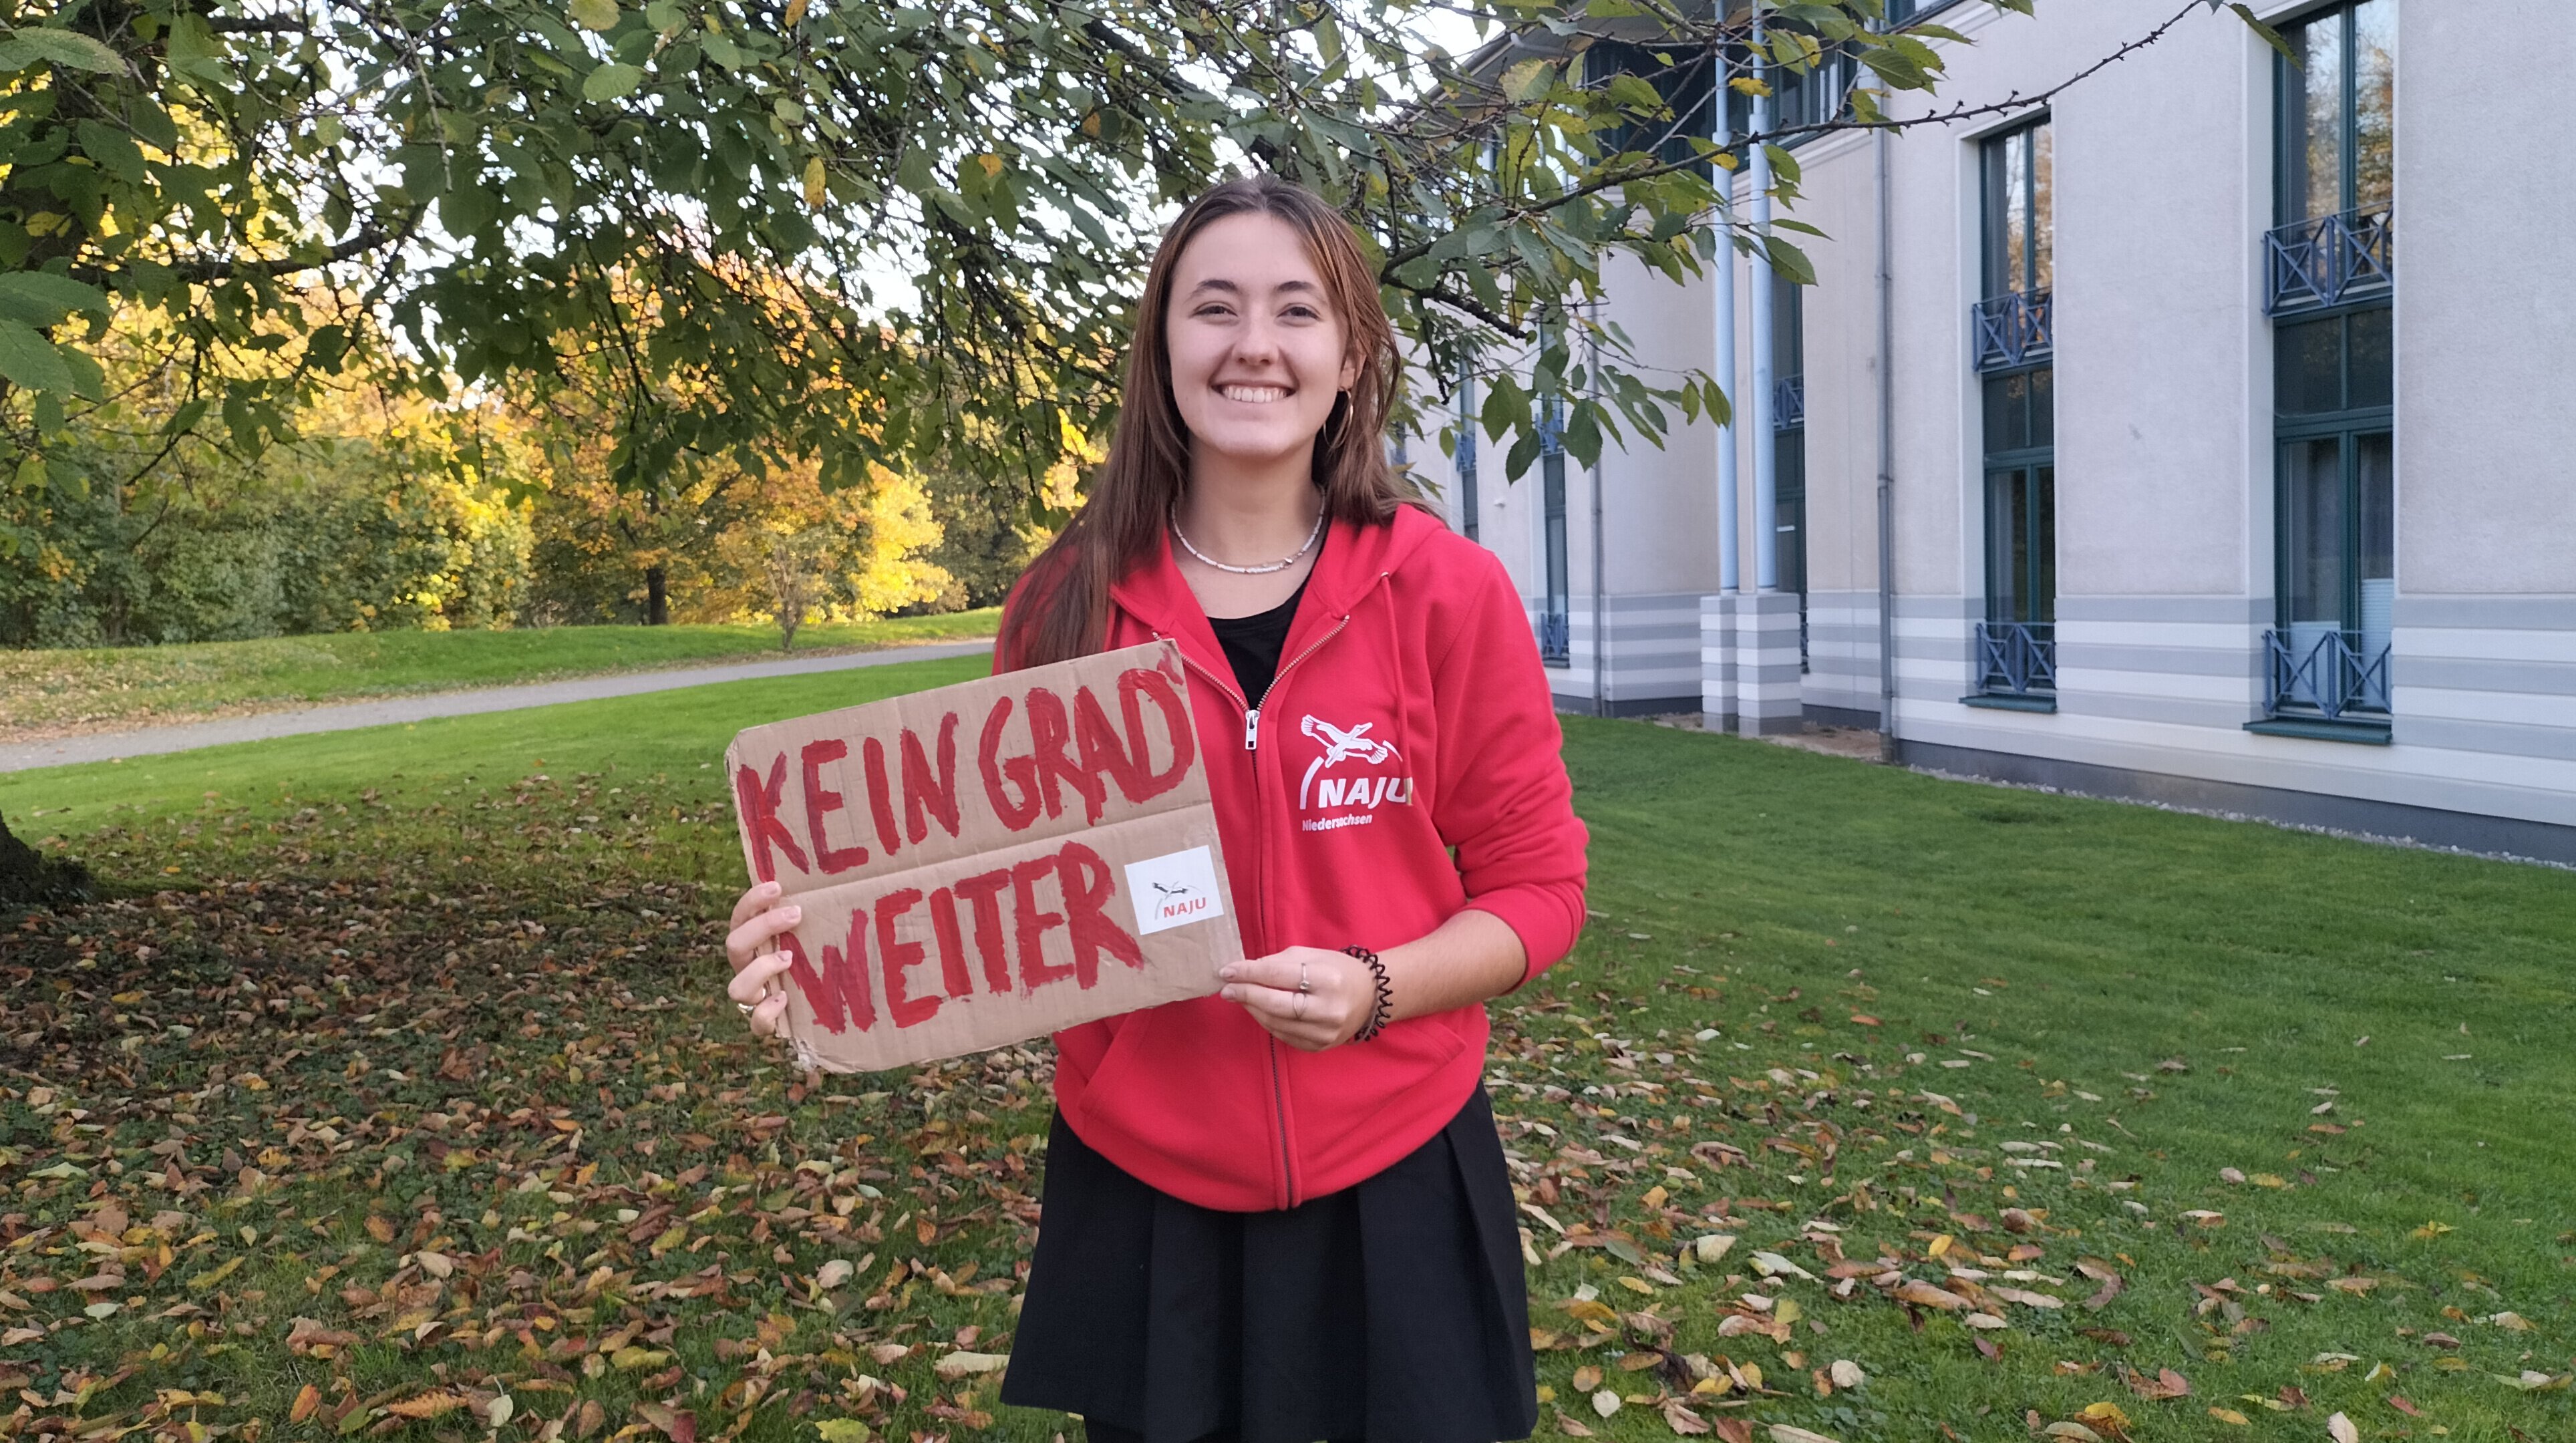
x: 1789, y: 403
x: 2329, y: 674
x: 2013, y: 329
x: 1555, y: 639
x: 2328, y: 260
x: 2016, y: 658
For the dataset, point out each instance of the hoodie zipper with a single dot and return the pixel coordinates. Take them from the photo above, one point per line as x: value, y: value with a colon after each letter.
x: 1252, y: 712
x: 1261, y: 832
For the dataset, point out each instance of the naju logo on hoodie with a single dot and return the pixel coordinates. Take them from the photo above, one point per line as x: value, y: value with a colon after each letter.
x: 1356, y: 791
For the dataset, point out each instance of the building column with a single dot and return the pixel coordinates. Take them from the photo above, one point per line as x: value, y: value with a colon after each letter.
x: 1717, y: 661
x: 1767, y: 700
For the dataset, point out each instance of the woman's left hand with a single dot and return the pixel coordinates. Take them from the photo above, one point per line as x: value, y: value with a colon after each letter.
x: 1307, y: 997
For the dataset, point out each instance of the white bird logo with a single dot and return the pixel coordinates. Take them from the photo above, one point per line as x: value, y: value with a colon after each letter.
x: 1340, y: 746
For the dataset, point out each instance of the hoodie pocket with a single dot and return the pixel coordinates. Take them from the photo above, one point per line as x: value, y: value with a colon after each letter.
x: 1373, y: 1103
x: 1186, y: 1084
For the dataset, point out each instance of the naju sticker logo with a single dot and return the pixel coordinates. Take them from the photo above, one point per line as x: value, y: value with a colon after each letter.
x: 1320, y: 788
x: 1174, y: 890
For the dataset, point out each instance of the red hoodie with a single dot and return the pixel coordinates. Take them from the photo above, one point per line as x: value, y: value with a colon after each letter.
x: 1410, y: 722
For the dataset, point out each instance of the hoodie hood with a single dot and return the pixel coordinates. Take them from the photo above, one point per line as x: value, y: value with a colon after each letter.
x: 1355, y: 560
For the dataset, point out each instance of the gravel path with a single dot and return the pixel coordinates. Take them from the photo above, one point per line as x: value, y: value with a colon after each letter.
x: 346, y: 716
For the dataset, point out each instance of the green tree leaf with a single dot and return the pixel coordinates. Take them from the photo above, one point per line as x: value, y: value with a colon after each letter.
x: 41, y: 298
x: 611, y: 81
x: 58, y: 47
x: 594, y: 14
x: 29, y: 360
x: 1526, y: 79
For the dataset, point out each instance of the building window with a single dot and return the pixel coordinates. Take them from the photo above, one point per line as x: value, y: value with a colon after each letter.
x: 1466, y: 457
x: 2014, y: 324
x: 2016, y: 643
x: 2335, y: 166
x: 1685, y: 80
x: 2328, y: 285
x: 1555, y: 621
x: 2337, y: 519
x: 1814, y: 96
x: 1789, y: 444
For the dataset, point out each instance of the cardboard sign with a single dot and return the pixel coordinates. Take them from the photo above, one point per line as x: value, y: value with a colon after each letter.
x: 988, y: 862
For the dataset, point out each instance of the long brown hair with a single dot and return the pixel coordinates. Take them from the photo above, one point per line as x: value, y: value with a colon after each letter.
x: 1062, y: 609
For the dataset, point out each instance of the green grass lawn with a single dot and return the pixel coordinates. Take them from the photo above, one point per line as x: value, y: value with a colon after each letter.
x: 413, y: 1086
x: 138, y: 685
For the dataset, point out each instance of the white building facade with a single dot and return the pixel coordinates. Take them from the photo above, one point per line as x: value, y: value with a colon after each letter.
x: 2201, y: 488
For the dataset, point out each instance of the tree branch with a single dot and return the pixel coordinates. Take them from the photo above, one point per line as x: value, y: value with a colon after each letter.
x: 368, y: 238
x: 258, y: 25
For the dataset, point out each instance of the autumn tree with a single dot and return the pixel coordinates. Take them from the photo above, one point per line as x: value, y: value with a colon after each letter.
x: 936, y: 210
x: 863, y: 233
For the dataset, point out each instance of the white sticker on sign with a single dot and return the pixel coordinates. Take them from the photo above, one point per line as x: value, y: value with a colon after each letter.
x: 1174, y: 889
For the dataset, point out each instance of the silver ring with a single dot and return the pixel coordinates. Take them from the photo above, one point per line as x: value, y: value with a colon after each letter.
x: 744, y: 1008
x: 1301, y: 1006
x: 1302, y: 987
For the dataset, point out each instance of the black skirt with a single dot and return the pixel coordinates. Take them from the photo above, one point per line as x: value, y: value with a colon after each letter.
x: 1393, y: 1311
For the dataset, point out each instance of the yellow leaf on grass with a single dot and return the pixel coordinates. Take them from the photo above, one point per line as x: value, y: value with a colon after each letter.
x: 428, y: 1405
x: 632, y: 1357
x: 969, y: 1365
x: 2230, y: 1415
x: 216, y: 1274
x: 2431, y: 1230
x: 1923, y: 1294
x: 308, y: 1401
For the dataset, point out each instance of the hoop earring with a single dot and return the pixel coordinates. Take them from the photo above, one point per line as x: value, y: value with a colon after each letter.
x: 1340, y: 420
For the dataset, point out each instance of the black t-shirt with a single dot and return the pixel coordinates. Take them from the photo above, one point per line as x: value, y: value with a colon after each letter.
x: 1253, y: 643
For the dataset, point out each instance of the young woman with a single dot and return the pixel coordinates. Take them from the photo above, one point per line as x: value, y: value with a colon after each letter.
x: 1281, y: 1214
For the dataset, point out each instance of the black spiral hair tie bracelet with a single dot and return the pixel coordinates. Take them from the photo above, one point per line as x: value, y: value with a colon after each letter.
x: 1382, y: 1013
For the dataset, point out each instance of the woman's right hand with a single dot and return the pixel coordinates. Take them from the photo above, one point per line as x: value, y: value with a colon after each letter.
x: 752, y: 949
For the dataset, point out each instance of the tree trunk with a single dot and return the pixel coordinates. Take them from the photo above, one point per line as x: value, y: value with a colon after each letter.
x: 657, y: 596
x: 29, y: 878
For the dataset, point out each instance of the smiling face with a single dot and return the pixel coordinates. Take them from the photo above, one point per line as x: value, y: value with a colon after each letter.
x: 1257, y: 353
